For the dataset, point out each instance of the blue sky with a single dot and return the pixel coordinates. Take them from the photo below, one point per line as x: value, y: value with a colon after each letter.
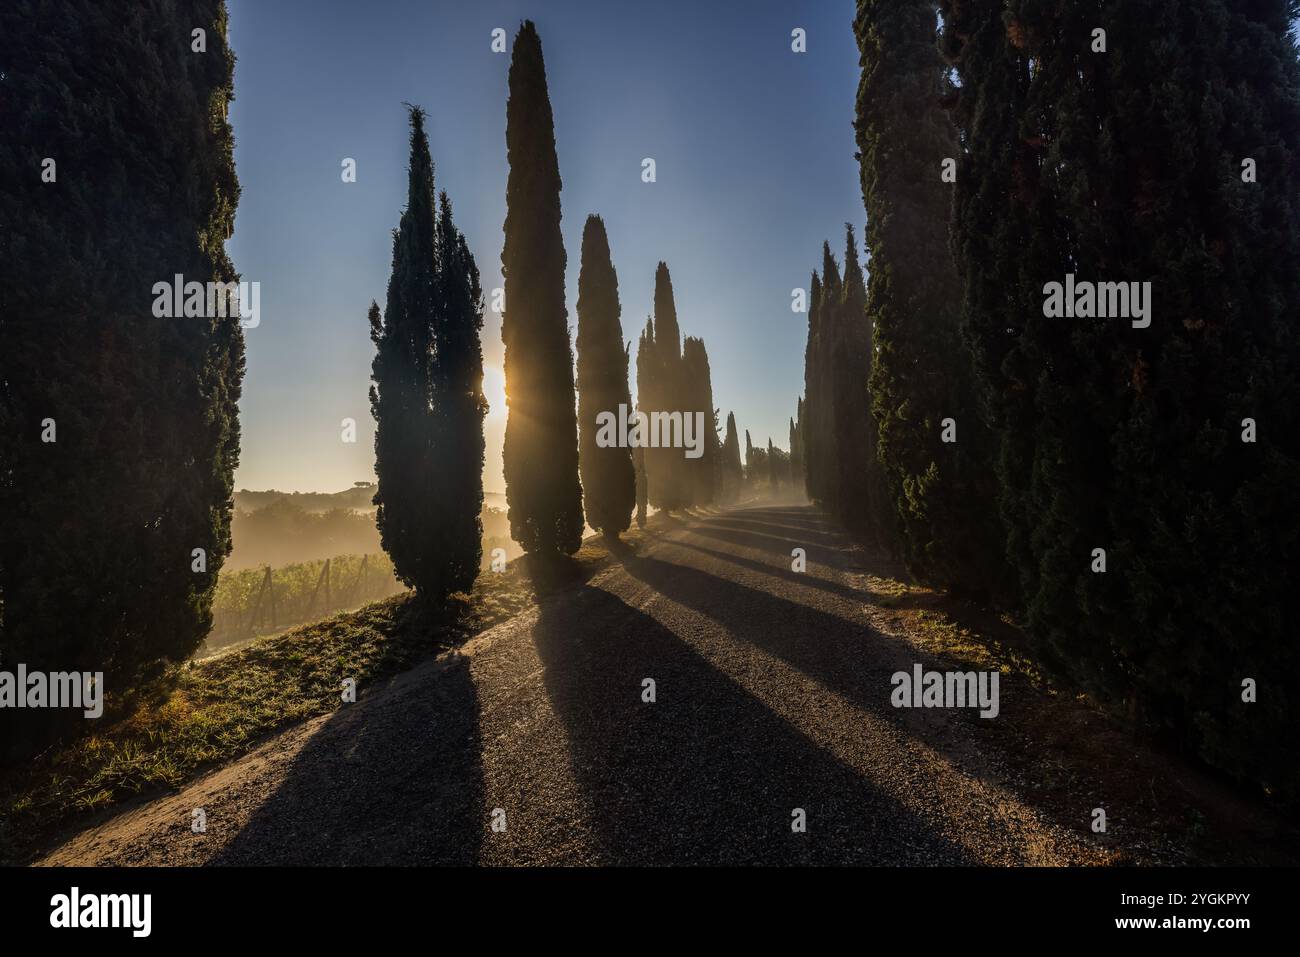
x: 755, y: 158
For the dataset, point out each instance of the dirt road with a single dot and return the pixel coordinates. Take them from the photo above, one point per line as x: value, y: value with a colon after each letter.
x: 771, y: 704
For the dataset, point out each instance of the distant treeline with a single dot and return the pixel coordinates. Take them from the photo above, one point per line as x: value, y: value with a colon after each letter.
x: 1119, y: 473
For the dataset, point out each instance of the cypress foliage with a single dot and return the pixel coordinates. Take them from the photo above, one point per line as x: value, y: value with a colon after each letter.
x: 647, y: 384
x: 427, y: 396
x: 861, y: 501
x: 944, y: 494
x: 458, y: 370
x: 1126, y: 166
x: 733, y: 473
x: 701, y: 473
x: 608, y: 475
x: 97, y: 563
x: 666, y: 472
x: 540, y: 453
x: 797, y: 471
x: 814, y: 380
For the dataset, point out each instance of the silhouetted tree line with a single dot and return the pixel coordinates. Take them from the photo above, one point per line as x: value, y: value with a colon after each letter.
x: 1126, y: 491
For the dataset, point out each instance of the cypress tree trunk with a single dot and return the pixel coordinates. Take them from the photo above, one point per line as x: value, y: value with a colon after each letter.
x: 608, y: 475
x: 943, y: 493
x: 120, y: 424
x: 540, y: 454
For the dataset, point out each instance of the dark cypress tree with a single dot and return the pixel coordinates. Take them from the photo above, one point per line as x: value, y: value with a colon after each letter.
x: 832, y: 292
x: 699, y: 389
x: 540, y: 454
x: 427, y: 396
x: 943, y: 493
x: 647, y: 368
x: 861, y: 503
x: 814, y: 382
x: 733, y: 473
x: 119, y: 427
x: 667, y: 474
x: 797, y: 470
x: 1127, y: 166
x: 461, y: 406
x: 608, y: 475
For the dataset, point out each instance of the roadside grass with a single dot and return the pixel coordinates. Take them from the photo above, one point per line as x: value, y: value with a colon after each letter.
x: 200, y: 714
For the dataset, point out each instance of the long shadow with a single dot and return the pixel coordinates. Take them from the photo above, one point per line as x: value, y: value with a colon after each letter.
x: 706, y: 774
x: 830, y: 649
x: 798, y: 578
x: 769, y: 543
x: 391, y: 779
x: 796, y: 533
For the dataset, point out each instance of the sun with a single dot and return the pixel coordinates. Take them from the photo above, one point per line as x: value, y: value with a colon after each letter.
x: 494, y: 390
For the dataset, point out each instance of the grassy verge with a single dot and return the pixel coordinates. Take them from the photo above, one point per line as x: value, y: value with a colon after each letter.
x: 204, y: 713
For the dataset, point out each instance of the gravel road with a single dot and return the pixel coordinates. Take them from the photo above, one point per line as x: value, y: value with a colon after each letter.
x: 772, y: 695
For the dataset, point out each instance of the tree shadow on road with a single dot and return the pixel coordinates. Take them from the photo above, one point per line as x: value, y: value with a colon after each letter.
x: 395, y: 778
x: 707, y: 774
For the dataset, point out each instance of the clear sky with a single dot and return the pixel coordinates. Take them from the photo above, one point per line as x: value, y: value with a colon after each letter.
x: 755, y: 160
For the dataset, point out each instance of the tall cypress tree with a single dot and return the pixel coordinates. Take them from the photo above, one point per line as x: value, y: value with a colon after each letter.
x: 814, y: 383
x: 540, y: 455
x: 647, y: 386
x: 667, y: 474
x: 427, y: 396
x: 698, y: 386
x: 732, y: 472
x: 861, y: 502
x: 797, y: 452
x: 1129, y: 166
x: 608, y: 476
x: 119, y: 427
x: 458, y: 381
x: 944, y: 493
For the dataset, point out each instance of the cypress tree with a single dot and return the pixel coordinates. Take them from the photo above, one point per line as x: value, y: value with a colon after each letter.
x: 458, y: 369
x: 608, y: 475
x: 647, y: 367
x: 540, y: 454
x: 797, y: 453
x: 119, y: 427
x: 427, y: 396
x: 667, y: 474
x: 814, y: 380
x: 943, y: 494
x: 862, y: 504
x: 697, y: 384
x: 1127, y: 166
x: 732, y: 472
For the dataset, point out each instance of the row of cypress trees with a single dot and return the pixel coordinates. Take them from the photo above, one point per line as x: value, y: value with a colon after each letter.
x: 835, y: 439
x: 1127, y: 493
x: 543, y: 464
x: 119, y: 429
